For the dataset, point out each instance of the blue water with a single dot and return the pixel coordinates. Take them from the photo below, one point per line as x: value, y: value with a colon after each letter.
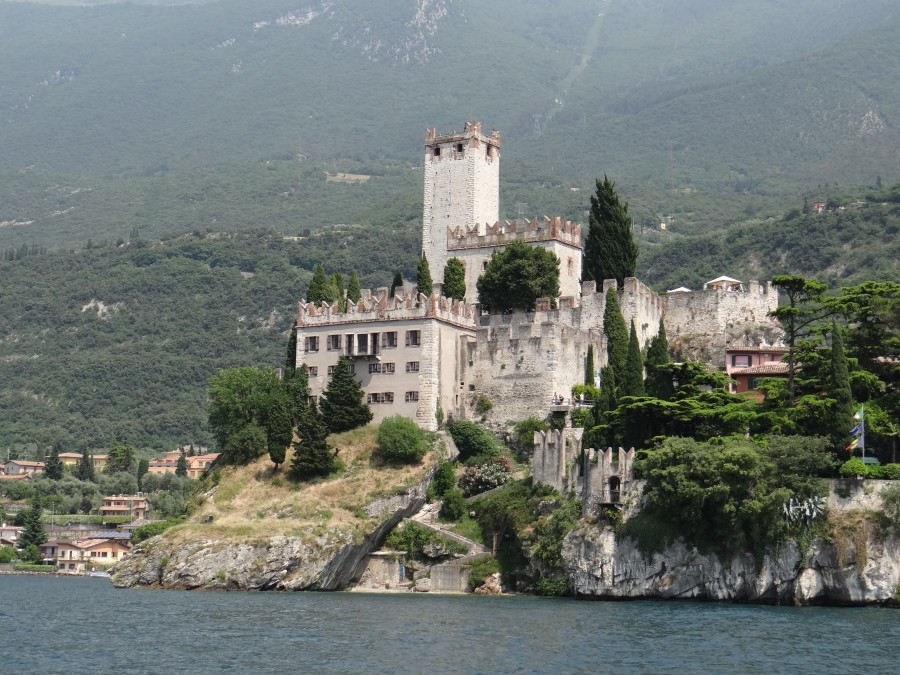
x: 84, y: 625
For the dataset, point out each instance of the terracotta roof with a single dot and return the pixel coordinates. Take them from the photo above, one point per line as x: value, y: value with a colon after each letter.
x: 771, y: 369
x: 22, y: 462
x: 755, y: 350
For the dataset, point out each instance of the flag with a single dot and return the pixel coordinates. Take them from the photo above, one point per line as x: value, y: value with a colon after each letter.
x: 852, y: 446
x: 857, y: 430
x: 859, y: 415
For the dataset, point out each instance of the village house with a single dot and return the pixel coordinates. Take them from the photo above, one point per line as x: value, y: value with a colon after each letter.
x: 125, y: 505
x: 82, y: 555
x: 9, y: 534
x: 197, y: 465
x: 746, y: 365
x: 20, y: 467
x: 72, y: 459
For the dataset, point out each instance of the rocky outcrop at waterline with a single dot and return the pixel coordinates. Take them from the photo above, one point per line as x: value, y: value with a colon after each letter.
x: 861, y: 568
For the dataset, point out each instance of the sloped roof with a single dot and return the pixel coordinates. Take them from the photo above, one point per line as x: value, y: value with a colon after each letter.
x: 680, y: 289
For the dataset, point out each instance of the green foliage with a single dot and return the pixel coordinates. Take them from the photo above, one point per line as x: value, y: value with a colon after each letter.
x: 658, y: 383
x: 396, y: 282
x: 483, y: 404
x: 455, y: 279
x: 53, y: 466
x: 517, y: 276
x: 472, y: 440
x: 318, y: 291
x: 181, y: 465
x: 34, y: 533
x: 400, y: 441
x: 482, y: 568
x: 423, y: 277
x: 523, y: 435
x: 616, y: 336
x: 413, y: 538
x: 840, y: 419
x: 453, y: 505
x: 144, y: 532
x: 121, y: 457
x: 485, y: 476
x: 245, y: 444
x: 590, y: 369
x: 8, y: 554
x: 444, y: 478
x: 85, y: 468
x: 610, y: 251
x: 312, y: 457
x: 633, y: 382
x: 343, y: 406
x: 890, y: 504
x: 354, y: 292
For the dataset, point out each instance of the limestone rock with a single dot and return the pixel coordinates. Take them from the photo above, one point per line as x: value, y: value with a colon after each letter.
x: 422, y: 585
x: 491, y: 586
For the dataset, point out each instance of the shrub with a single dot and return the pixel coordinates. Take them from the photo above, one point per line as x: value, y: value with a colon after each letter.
x: 582, y: 417
x: 481, y: 570
x: 554, y: 585
x: 7, y: 554
x: 483, y: 405
x: 472, y: 439
x: 523, y: 435
x: 892, y: 471
x: 144, y: 532
x: 444, y: 479
x: 413, y: 538
x: 853, y: 468
x: 400, y: 441
x: 453, y: 507
x: 487, y: 476
x: 890, y: 500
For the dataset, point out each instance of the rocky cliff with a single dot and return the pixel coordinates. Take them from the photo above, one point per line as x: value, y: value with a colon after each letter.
x: 861, y: 568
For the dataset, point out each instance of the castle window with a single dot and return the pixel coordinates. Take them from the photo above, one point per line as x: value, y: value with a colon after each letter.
x: 362, y: 344
x: 313, y: 370
x: 412, y: 366
x: 459, y: 147
x: 437, y: 152
x: 412, y: 396
x: 311, y: 344
x: 381, y: 397
x: 413, y: 338
x: 387, y: 368
x: 374, y: 368
x: 334, y: 343
x: 487, y: 151
x: 350, y: 367
x: 389, y: 339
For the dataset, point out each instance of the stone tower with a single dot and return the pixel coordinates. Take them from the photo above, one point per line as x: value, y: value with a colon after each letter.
x: 462, y: 188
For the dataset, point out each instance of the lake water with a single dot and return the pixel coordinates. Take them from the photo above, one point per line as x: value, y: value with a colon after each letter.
x: 84, y: 625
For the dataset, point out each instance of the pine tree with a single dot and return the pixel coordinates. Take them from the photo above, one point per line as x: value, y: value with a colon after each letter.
x: 354, y: 293
x: 616, y: 335
x: 423, y: 277
x: 34, y: 532
x: 396, y: 283
x: 343, y: 406
x: 589, y: 368
x: 610, y: 251
x: 312, y: 458
x: 633, y: 385
x: 842, y: 412
x: 659, y: 382
x: 53, y: 466
x: 181, y: 465
x: 455, y: 279
x: 318, y: 286
x: 85, y: 468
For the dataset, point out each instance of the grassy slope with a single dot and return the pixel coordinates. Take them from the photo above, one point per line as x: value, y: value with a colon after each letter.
x: 248, y: 506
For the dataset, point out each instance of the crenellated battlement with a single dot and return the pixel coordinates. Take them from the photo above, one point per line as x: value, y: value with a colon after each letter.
x: 555, y: 459
x: 471, y: 134
x: 379, y: 306
x: 503, y: 233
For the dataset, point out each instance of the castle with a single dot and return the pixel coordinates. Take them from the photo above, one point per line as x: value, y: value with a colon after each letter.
x: 426, y: 357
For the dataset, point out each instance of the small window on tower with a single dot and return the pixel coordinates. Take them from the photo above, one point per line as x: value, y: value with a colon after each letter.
x: 487, y: 150
x: 459, y: 147
x: 437, y: 152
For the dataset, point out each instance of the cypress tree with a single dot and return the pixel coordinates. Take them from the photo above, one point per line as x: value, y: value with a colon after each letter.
x: 842, y: 412
x: 659, y: 383
x: 343, y: 407
x: 610, y: 251
x: 336, y: 288
x: 34, y: 532
x: 423, y: 276
x: 633, y: 385
x: 290, y: 360
x: 396, y: 283
x: 85, y: 468
x: 312, y: 458
x: 616, y: 335
x: 354, y: 293
x: 589, y: 366
x: 53, y: 467
x: 181, y: 465
x: 318, y: 286
x: 455, y: 279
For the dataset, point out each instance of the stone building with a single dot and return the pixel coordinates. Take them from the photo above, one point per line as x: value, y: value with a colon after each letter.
x: 424, y: 356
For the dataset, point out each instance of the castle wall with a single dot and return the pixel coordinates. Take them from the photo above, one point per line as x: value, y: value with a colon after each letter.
x: 701, y: 324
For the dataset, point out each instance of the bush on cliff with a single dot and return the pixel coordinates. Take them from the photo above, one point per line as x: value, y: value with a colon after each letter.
x: 400, y: 441
x: 473, y: 440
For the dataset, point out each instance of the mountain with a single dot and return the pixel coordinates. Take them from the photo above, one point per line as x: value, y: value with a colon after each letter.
x: 228, y: 114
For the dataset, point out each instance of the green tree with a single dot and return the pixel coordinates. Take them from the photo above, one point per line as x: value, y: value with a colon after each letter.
x: 53, y: 466
x: 85, y: 468
x: 803, y: 310
x: 121, y: 457
x: 396, y: 283
x: 589, y: 368
x: 616, y: 335
x: 659, y: 382
x: 312, y: 458
x: 243, y: 396
x: 633, y: 384
x: 181, y: 465
x: 34, y: 532
x: 842, y: 412
x: 455, y: 279
x: 343, y: 406
x: 336, y: 291
x: 610, y: 251
x: 354, y: 292
x: 423, y: 277
x: 400, y: 441
x: 517, y: 276
x: 318, y: 287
